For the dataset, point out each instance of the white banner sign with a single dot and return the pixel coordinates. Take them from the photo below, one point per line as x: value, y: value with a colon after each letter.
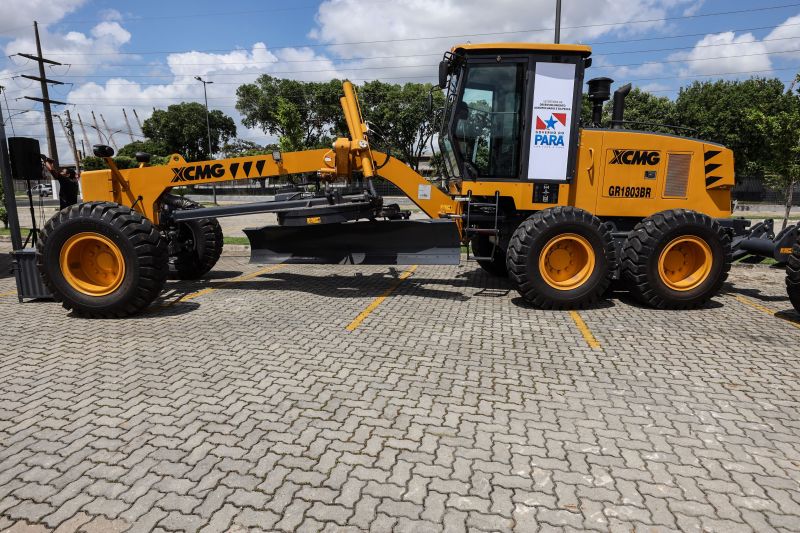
x: 553, y: 93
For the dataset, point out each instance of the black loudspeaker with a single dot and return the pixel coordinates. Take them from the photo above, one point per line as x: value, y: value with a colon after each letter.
x: 26, y: 161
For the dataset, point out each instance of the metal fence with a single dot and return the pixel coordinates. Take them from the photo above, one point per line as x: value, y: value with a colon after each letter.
x: 753, y: 190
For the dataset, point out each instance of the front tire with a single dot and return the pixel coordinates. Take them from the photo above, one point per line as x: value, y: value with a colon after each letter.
x: 561, y: 258
x: 102, y: 259
x: 793, y: 275
x: 197, y: 244
x: 676, y: 259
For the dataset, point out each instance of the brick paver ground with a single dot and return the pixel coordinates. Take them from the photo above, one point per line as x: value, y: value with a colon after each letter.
x: 451, y: 407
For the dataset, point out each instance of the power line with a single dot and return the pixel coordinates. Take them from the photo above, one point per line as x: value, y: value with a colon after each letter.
x: 138, y: 65
x: 687, y: 76
x: 337, y: 70
x: 453, y: 36
x: 392, y: 67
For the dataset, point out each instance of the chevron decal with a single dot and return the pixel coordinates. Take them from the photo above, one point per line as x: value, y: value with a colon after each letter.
x: 713, y: 169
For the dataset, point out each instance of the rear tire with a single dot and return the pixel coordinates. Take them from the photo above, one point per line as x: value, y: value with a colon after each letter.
x: 793, y: 275
x: 676, y: 259
x: 482, y: 247
x: 198, y: 243
x: 561, y: 258
x: 102, y: 259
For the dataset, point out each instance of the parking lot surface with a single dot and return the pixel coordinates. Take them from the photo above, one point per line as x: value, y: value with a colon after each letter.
x: 367, y: 398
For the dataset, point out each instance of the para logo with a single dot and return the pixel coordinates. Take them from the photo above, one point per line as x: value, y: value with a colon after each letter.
x: 198, y: 172
x: 550, y: 131
x: 635, y: 157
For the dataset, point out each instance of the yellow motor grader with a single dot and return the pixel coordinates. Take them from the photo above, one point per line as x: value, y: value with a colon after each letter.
x: 561, y: 208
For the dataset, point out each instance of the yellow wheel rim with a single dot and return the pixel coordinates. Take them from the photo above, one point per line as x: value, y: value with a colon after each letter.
x: 567, y: 261
x: 92, y: 264
x: 685, y: 263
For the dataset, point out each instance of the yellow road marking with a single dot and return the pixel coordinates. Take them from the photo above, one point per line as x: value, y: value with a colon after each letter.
x: 585, y: 331
x: 377, y: 301
x: 9, y: 293
x: 243, y: 277
x: 763, y: 309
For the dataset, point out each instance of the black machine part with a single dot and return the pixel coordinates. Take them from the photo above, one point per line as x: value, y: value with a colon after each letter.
x: 374, y: 242
x: 761, y: 240
x: 332, y: 202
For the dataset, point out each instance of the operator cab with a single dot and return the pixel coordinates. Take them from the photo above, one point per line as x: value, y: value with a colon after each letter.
x: 512, y: 110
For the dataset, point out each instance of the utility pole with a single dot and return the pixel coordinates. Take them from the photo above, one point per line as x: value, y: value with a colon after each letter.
x: 110, y: 135
x: 97, y: 129
x: 8, y: 187
x: 558, y: 22
x: 139, y: 122
x: 71, y: 138
x: 208, y: 129
x: 64, y: 129
x: 85, y: 136
x: 9, y: 111
x: 128, y: 123
x: 45, y: 99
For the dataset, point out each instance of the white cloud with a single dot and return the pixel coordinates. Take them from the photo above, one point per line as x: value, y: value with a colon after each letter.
x: 785, y: 37
x: 725, y: 53
x: 16, y: 15
x: 227, y: 71
x: 744, y: 53
x: 75, y: 48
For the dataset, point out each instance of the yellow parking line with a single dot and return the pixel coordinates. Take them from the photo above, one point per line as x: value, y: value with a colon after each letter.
x: 377, y: 301
x: 9, y: 293
x: 243, y: 277
x: 767, y: 310
x: 585, y: 331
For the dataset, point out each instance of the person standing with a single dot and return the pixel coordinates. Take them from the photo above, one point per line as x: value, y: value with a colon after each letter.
x: 67, y: 182
x: 67, y: 188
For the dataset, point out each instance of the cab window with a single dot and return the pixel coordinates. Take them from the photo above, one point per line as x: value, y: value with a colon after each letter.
x: 487, y: 121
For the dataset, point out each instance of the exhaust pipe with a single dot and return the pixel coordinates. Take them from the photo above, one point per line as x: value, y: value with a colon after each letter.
x: 619, y: 105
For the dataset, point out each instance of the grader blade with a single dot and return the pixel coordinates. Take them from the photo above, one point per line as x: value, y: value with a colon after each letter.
x: 390, y: 242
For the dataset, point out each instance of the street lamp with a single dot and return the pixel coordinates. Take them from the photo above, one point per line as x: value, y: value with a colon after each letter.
x: 9, y: 117
x: 104, y: 135
x: 208, y: 129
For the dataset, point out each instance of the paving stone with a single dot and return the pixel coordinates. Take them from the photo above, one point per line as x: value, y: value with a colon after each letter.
x: 450, y: 408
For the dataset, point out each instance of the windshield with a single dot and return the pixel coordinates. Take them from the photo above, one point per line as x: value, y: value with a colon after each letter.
x: 485, y: 127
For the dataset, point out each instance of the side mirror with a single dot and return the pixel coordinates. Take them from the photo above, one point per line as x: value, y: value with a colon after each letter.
x: 142, y: 157
x: 101, y: 150
x: 444, y: 67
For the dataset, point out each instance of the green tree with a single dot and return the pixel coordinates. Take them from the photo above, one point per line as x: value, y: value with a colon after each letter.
x: 181, y: 128
x: 781, y: 131
x: 147, y: 146
x: 400, y: 117
x: 96, y: 163
x: 646, y: 109
x: 721, y: 110
x: 244, y: 148
x: 303, y: 115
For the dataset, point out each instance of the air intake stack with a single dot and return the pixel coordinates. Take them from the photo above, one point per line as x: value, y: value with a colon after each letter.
x: 599, y: 92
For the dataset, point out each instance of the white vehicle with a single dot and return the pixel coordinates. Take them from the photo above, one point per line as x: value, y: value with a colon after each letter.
x: 42, y: 189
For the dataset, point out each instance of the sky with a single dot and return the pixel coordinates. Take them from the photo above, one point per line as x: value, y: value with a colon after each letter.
x: 143, y: 54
